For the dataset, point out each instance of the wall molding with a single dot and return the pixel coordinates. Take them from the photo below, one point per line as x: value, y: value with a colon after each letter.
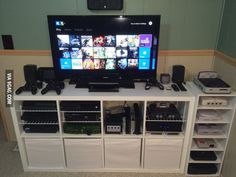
x: 228, y: 59
x: 26, y: 52
x: 161, y: 52
x: 186, y: 52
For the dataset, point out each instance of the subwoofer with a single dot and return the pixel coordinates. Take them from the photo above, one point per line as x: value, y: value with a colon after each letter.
x: 178, y: 73
x: 105, y: 4
x: 30, y: 73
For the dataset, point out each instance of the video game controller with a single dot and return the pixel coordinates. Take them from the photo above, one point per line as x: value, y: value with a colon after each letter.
x: 153, y: 82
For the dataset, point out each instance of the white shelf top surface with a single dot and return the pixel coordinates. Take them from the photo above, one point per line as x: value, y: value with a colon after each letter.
x: 137, y: 94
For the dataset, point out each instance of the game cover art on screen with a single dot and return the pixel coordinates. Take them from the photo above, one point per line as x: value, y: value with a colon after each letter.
x: 108, y: 52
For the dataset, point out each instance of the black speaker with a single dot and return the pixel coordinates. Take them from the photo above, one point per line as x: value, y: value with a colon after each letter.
x: 105, y: 4
x: 7, y: 42
x: 31, y: 73
x: 178, y: 72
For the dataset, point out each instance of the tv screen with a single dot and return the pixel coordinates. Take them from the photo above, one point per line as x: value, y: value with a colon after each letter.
x: 91, y: 46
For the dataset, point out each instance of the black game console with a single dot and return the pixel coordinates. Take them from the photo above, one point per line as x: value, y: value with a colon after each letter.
x: 163, y: 118
x: 86, y: 117
x: 202, y: 168
x: 39, y: 105
x: 115, y: 118
x: 80, y: 106
x: 203, y: 155
x: 40, y: 122
x: 103, y: 87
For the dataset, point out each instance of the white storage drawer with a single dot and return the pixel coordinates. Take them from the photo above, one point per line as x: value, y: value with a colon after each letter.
x: 122, y: 153
x: 44, y: 153
x: 163, y: 153
x: 83, y: 153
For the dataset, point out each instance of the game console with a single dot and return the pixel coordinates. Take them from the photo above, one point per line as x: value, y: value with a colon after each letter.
x: 213, y: 101
x: 163, y: 117
x: 209, y: 82
x: 202, y: 168
x: 208, y: 115
x: 209, y: 129
x: 203, y: 155
x: 205, y: 143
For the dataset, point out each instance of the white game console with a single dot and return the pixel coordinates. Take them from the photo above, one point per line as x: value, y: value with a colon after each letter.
x: 205, y: 143
x: 209, y: 129
x: 213, y: 101
x: 208, y: 115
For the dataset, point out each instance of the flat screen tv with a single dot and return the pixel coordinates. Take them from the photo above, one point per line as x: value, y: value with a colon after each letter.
x: 95, y: 46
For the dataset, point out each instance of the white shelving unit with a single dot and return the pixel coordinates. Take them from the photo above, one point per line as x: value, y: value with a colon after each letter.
x: 145, y: 152
x: 226, y: 114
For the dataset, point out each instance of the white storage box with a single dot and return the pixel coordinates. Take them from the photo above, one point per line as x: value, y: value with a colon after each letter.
x: 44, y: 153
x: 83, y: 153
x: 122, y: 153
x: 162, y: 154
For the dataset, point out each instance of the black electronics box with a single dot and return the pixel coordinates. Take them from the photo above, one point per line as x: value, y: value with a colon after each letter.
x: 203, y: 155
x: 80, y: 106
x: 202, y: 169
x: 163, y: 118
x: 39, y: 105
x: 38, y: 117
x: 40, y: 128
x: 105, y: 4
x: 82, y: 116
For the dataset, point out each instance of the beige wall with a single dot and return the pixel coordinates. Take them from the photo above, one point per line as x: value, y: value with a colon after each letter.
x: 194, y: 62
x: 226, y: 68
x: 16, y: 63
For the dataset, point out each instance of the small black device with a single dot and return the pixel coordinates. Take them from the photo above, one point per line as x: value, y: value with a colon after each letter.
x: 153, y: 83
x: 164, y: 117
x: 105, y: 4
x: 103, y: 87
x: 47, y: 74
x: 178, y: 73
x: 7, y: 42
x: 175, y: 87
x: 31, y: 77
x: 165, y: 78
x: 138, y: 119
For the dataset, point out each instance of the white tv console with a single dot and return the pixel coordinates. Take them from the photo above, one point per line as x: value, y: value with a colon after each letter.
x: 162, y: 152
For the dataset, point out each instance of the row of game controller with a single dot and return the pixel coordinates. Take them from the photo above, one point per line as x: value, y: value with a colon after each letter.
x: 33, y: 87
x: 174, y: 86
x: 35, y: 77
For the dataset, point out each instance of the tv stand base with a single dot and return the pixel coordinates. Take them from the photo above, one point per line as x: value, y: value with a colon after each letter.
x: 103, y: 87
